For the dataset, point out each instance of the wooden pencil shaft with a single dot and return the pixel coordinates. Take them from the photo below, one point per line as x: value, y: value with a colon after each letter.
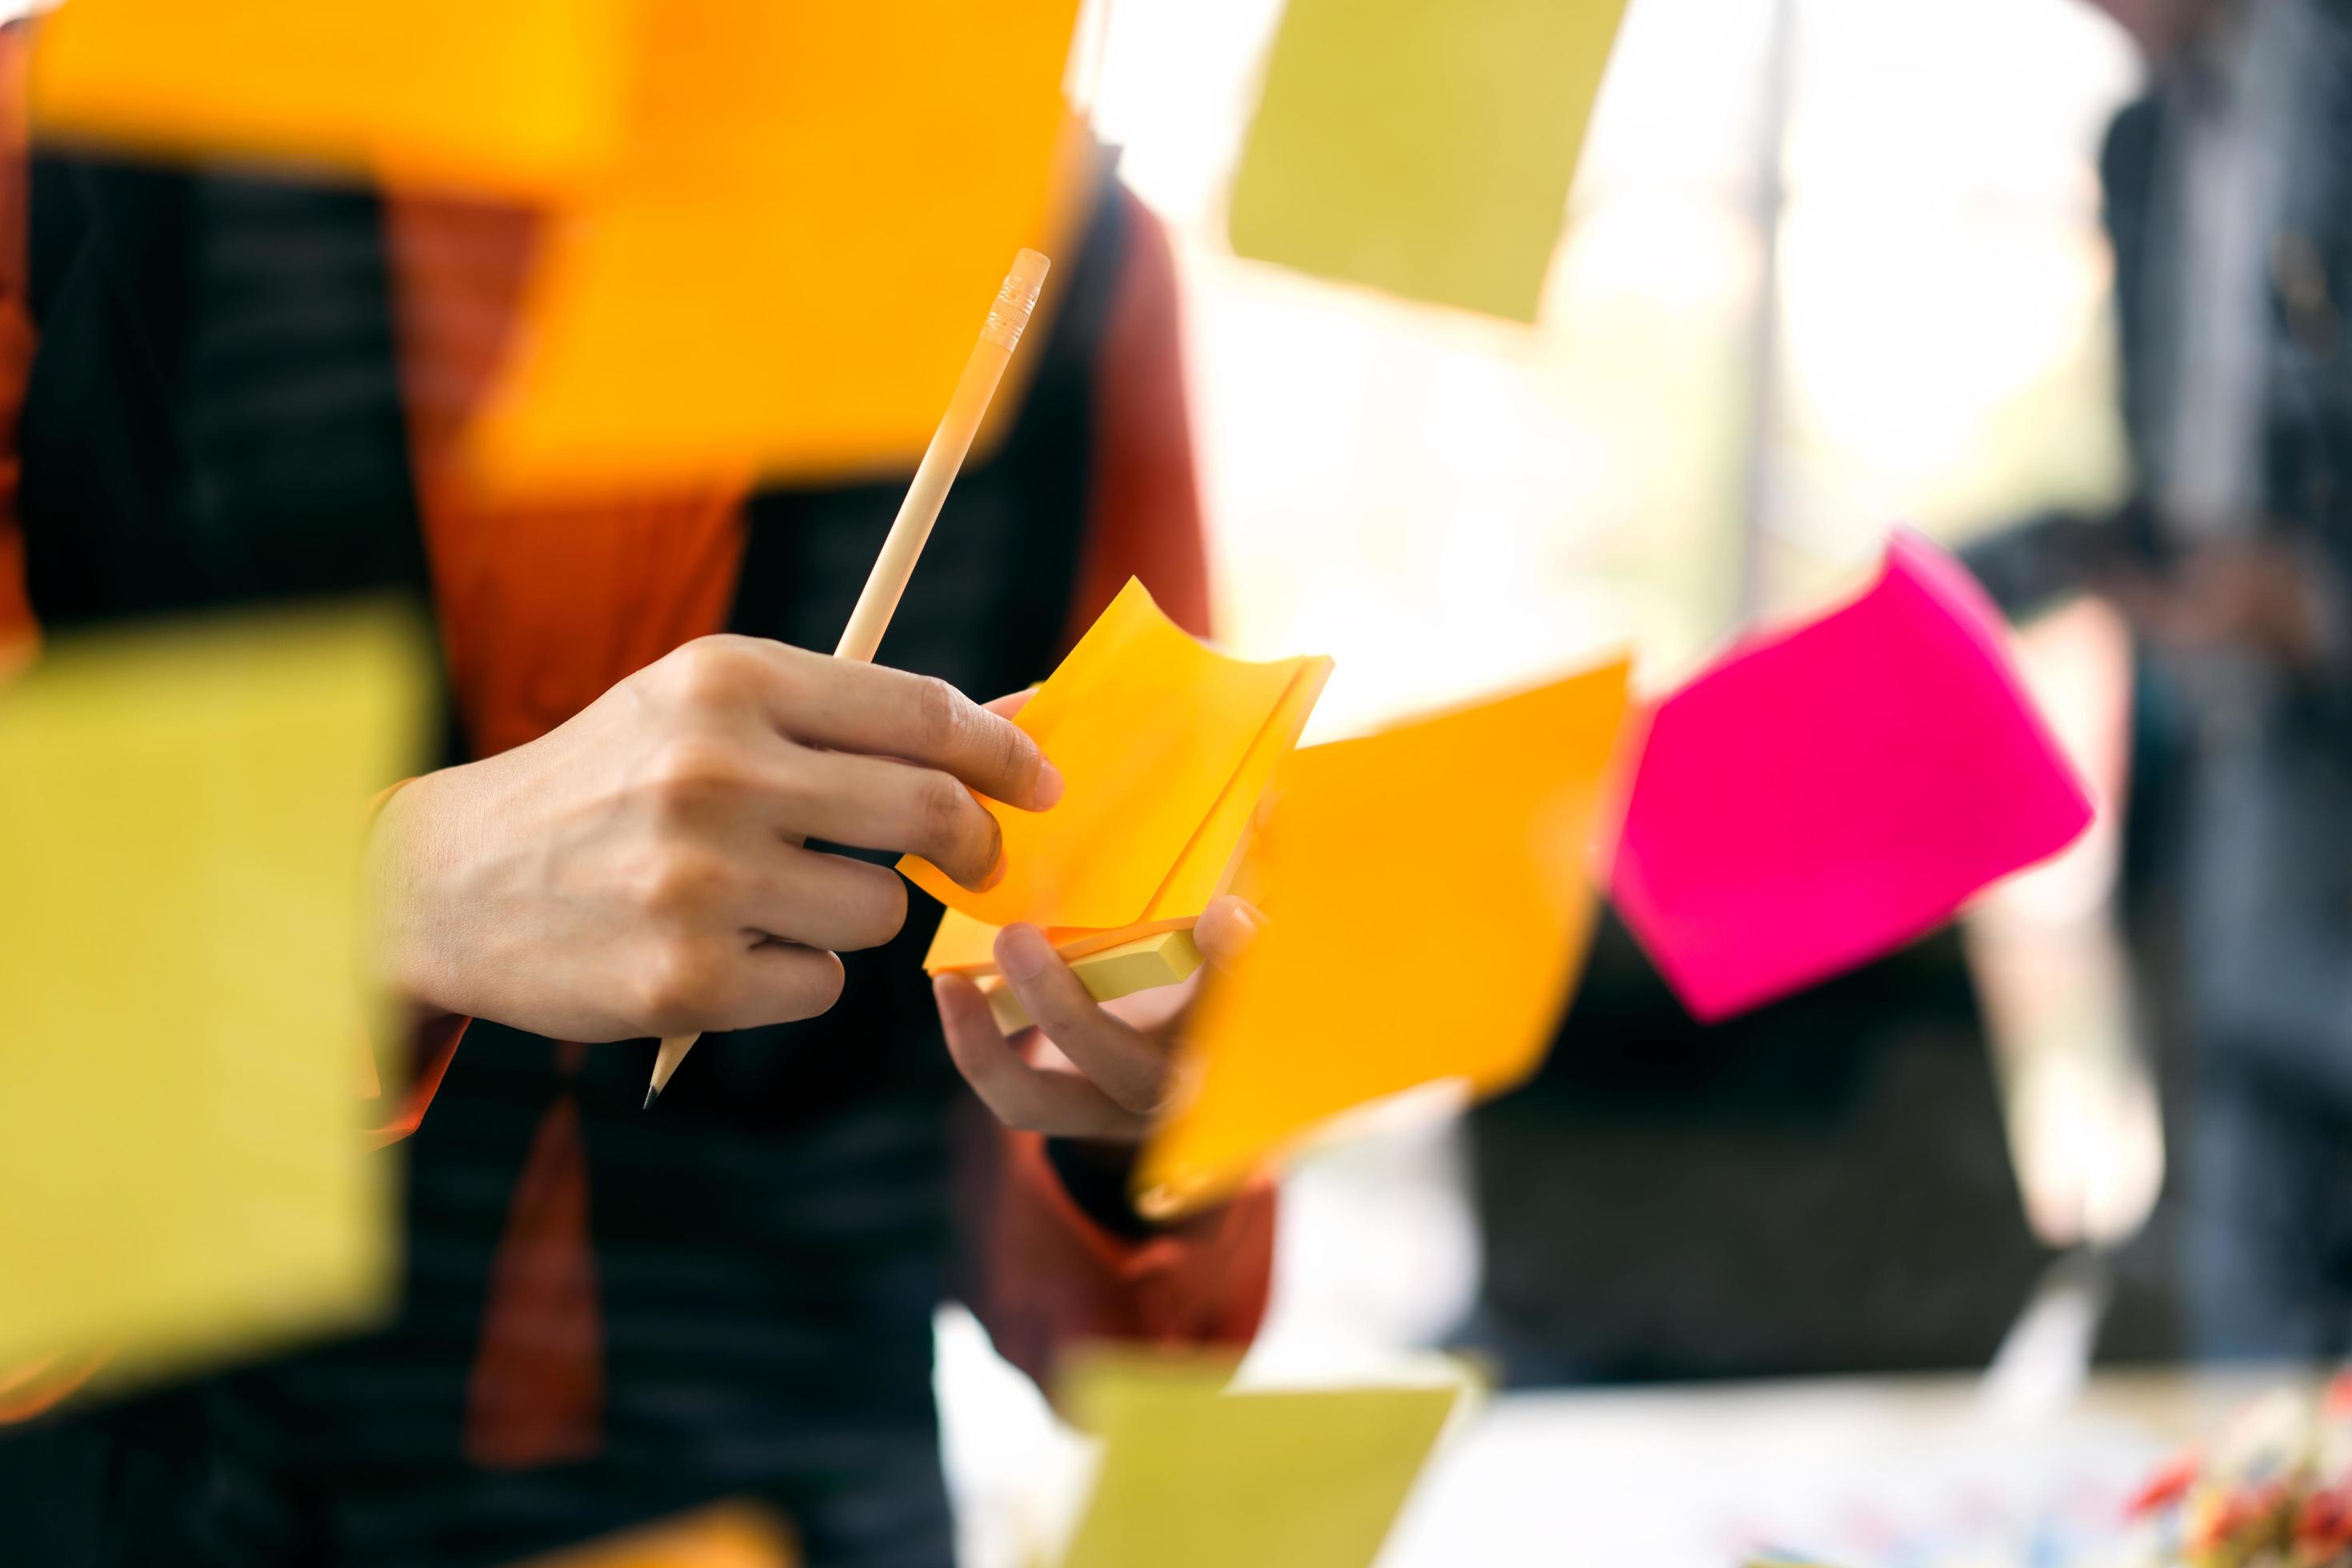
x: 911, y: 529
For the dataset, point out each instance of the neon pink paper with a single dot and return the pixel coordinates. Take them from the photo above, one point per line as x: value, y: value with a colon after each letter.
x: 1823, y: 795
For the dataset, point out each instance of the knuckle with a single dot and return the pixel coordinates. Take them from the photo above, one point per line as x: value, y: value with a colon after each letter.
x: 943, y: 812
x: 688, y: 770
x: 1141, y: 1094
x: 679, y: 883
x: 1016, y: 753
x: 675, y: 986
x: 710, y: 672
x: 939, y: 711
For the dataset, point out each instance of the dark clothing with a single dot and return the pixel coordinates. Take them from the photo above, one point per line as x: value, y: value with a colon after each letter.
x: 214, y: 419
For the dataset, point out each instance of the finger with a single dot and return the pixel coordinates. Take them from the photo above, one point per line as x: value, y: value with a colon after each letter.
x: 827, y: 900
x: 1124, y: 1063
x: 743, y: 987
x: 871, y: 803
x: 882, y: 712
x: 1226, y: 928
x: 1060, y: 1104
x: 1010, y: 703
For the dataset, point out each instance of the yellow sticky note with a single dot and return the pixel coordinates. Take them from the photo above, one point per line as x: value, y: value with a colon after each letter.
x: 1144, y: 963
x: 1424, y: 147
x: 1193, y: 1475
x: 181, y: 1141
x: 1427, y: 905
x: 730, y: 1535
x: 513, y: 97
x: 1151, y: 730
x: 815, y: 205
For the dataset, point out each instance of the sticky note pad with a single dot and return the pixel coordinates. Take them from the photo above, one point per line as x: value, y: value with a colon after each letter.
x: 1422, y: 147
x: 813, y: 207
x: 1145, y: 963
x: 1192, y: 1473
x: 1427, y: 904
x: 1165, y: 746
x: 513, y: 97
x: 180, y: 1139
x: 1821, y: 796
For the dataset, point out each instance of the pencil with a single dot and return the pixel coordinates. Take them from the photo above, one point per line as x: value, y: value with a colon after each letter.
x: 1016, y: 301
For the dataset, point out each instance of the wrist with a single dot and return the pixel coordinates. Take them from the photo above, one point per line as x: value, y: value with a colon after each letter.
x: 404, y: 954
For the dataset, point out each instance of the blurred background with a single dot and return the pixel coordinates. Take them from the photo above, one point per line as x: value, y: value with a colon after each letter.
x: 1829, y: 266
x: 2053, y: 282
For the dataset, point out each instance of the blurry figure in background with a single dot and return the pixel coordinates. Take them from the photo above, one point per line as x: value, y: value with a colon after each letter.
x: 1817, y: 1186
x: 2229, y: 202
x: 223, y: 391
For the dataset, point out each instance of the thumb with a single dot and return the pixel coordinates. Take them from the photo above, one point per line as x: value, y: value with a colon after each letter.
x: 1226, y: 928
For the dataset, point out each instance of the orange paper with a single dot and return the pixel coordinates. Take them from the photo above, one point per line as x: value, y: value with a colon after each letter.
x: 512, y: 97
x: 1165, y: 746
x: 1427, y: 908
x: 812, y: 209
x: 728, y: 1535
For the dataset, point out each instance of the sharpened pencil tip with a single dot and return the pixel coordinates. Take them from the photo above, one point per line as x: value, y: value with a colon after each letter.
x: 653, y: 1092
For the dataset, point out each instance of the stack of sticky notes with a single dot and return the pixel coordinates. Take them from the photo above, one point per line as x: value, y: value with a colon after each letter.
x: 1821, y: 795
x: 180, y: 945
x: 1166, y: 749
x: 1195, y: 1473
x: 1426, y: 891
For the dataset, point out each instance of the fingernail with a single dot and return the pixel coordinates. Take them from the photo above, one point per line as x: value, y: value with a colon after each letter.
x: 995, y: 874
x: 1049, y: 785
x: 1023, y: 952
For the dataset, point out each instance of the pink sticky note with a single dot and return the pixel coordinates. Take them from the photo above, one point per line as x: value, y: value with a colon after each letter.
x: 1821, y: 796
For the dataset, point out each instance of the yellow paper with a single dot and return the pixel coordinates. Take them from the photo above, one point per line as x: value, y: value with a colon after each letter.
x: 813, y: 208
x: 181, y: 1143
x: 1193, y: 1476
x: 1424, y: 147
x: 515, y: 97
x: 731, y: 1535
x: 1150, y: 729
x: 1427, y: 906
x: 1146, y: 964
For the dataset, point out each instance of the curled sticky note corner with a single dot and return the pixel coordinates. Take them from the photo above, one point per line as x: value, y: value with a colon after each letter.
x: 1166, y: 747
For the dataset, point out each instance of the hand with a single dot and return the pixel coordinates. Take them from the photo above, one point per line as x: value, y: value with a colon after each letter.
x: 2258, y: 596
x: 1088, y: 1069
x: 641, y: 869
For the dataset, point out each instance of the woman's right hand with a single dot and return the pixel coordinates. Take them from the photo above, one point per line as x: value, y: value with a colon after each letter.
x: 642, y: 869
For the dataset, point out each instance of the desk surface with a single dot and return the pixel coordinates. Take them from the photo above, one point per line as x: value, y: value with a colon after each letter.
x: 1890, y: 1473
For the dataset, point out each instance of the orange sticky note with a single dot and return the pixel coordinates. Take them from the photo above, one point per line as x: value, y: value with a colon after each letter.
x: 1206, y: 868
x: 812, y: 209
x: 728, y: 1535
x: 512, y: 97
x: 1164, y: 746
x: 1427, y: 906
